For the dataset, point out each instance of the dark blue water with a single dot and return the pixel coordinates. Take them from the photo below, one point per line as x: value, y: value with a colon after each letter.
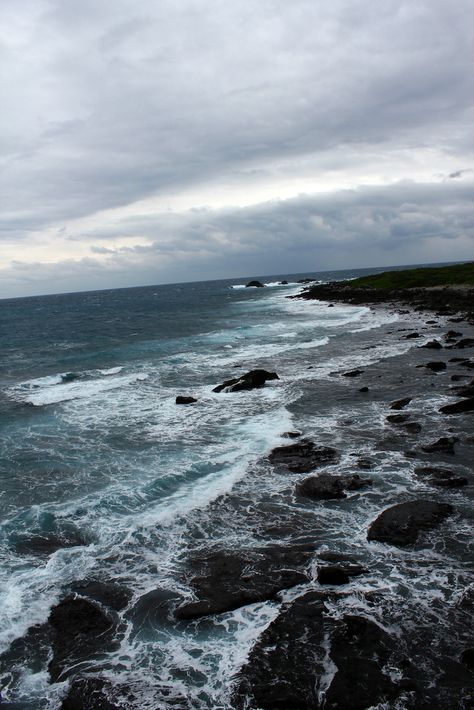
x: 94, y: 452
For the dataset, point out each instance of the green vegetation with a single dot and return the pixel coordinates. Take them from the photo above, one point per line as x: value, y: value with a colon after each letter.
x: 459, y: 274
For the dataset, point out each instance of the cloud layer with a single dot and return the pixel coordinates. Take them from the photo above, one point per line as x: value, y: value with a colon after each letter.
x: 146, y: 141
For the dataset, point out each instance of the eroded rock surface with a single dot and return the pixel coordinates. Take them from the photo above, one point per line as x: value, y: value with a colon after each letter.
x: 402, y: 523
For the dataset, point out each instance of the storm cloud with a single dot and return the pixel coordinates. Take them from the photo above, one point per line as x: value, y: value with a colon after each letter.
x: 148, y: 142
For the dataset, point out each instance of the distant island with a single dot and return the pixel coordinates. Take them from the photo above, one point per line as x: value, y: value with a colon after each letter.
x: 445, y: 289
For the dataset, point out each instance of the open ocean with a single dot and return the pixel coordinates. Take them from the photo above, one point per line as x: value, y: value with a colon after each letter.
x: 104, y: 478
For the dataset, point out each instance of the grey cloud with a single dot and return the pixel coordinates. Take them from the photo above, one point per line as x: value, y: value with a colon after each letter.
x: 391, y: 225
x: 108, y: 106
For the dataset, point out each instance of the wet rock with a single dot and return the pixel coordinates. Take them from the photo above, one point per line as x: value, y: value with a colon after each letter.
x: 452, y: 334
x: 402, y: 523
x: 82, y: 631
x: 465, y: 390
x: 251, y: 380
x: 302, y: 457
x: 467, y: 657
x: 465, y: 343
x: 105, y: 593
x: 412, y: 427
x: 305, y: 281
x: 225, y: 580
x: 87, y: 692
x: 254, y: 284
x: 45, y: 544
x: 397, y: 418
x: 464, y: 405
x: 444, y: 445
x: 291, y: 434
x: 435, y: 366
x: 352, y: 373
x: 332, y: 575
x: 365, y: 464
x: 442, y: 477
x: 155, y: 609
x: 410, y: 336
x: 432, y: 345
x: 180, y: 399
x: 284, y: 282
x: 286, y: 663
x: 286, y: 669
x: 400, y: 403
x: 327, y: 486
x: 364, y: 389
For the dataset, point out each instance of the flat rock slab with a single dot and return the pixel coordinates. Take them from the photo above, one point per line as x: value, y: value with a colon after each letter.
x: 440, y: 477
x: 287, y: 668
x: 444, y: 445
x: 81, y: 631
x: 402, y: 523
x: 303, y: 457
x: 400, y: 403
x: 88, y: 692
x: 327, y: 486
x: 227, y: 579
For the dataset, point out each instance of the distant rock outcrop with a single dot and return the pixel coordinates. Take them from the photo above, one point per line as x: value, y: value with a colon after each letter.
x: 251, y: 380
x: 254, y: 284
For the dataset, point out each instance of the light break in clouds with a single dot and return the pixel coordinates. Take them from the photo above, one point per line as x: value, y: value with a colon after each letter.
x: 146, y: 142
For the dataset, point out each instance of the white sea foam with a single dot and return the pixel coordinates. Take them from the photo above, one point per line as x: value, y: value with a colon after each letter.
x: 56, y: 390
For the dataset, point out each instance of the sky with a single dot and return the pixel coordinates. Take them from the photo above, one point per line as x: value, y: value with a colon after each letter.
x: 159, y: 141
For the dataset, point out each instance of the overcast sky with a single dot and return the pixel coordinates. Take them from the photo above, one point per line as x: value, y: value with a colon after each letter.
x: 154, y: 141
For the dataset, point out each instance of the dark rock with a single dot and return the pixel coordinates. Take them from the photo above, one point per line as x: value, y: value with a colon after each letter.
x: 465, y: 343
x: 432, y: 345
x: 465, y: 390
x: 365, y: 464
x: 401, y: 524
x: 185, y: 400
x: 459, y: 378
x: 432, y: 322
x: 305, y: 281
x: 254, y: 284
x: 327, y: 487
x: 286, y: 667
x: 105, y: 593
x: 291, y: 434
x: 456, y: 320
x: 332, y: 575
x: 87, y: 692
x: 47, y: 543
x: 251, y: 380
x: 435, y: 366
x: 397, y: 418
x: 226, y: 580
x: 410, y: 336
x: 364, y: 389
x: 444, y: 445
x: 459, y: 359
x: 464, y: 405
x: 303, y: 456
x: 82, y: 630
x: 400, y: 403
x: 284, y: 282
x: 412, y: 427
x: 441, y: 477
x: 352, y: 373
x: 452, y: 334
x: 155, y: 609
x: 467, y: 657
x: 70, y: 377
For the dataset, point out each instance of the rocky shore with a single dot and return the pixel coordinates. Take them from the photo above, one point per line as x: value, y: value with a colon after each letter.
x: 355, y: 623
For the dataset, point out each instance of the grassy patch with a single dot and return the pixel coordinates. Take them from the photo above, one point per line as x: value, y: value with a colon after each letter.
x: 456, y: 275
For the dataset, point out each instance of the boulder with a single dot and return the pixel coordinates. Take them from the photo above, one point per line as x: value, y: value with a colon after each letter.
x: 467, y: 657
x: 251, y: 380
x: 410, y: 336
x: 432, y: 345
x: 81, y: 631
x: 254, y: 284
x: 464, y: 405
x: 224, y: 580
x: 180, y: 399
x: 291, y: 435
x: 444, y: 445
x: 364, y: 389
x: 401, y: 524
x: 435, y: 366
x: 332, y: 575
x: 397, y: 418
x: 284, y: 282
x: 452, y: 334
x: 44, y: 544
x: 327, y: 486
x: 400, y: 403
x: 303, y: 456
x: 352, y: 373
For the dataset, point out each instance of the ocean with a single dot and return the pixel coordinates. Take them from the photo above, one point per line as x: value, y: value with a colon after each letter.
x: 106, y: 480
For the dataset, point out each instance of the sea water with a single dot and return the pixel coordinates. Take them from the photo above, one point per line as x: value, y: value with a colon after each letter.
x: 94, y: 452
